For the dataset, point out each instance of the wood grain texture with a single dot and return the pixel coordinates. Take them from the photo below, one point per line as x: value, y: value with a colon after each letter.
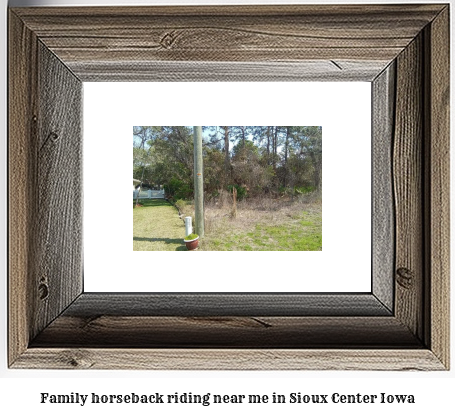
x: 213, y: 305
x: 309, y: 71
x: 226, y: 332
x: 58, y: 190
x: 227, y: 34
x: 45, y: 238
x: 408, y: 188
x: 22, y: 116
x: 438, y: 197
x: 383, y: 215
x: 229, y: 359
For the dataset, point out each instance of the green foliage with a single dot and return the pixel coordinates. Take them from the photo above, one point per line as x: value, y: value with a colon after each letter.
x: 245, y: 151
x: 213, y: 171
x: 303, y: 190
x: 249, y: 169
x: 179, y: 189
x: 257, y: 160
x: 191, y: 237
x: 241, y: 191
x: 181, y: 204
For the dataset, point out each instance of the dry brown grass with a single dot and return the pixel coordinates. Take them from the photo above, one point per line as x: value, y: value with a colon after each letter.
x: 220, y: 222
x: 250, y: 212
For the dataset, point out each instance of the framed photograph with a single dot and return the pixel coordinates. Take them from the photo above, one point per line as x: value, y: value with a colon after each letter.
x: 275, y: 224
x: 401, y: 323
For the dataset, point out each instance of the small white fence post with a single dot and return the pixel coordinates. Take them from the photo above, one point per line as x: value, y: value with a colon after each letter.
x: 149, y: 193
x: 188, y: 226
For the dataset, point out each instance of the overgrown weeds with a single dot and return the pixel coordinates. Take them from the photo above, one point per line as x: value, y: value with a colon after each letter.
x: 263, y: 223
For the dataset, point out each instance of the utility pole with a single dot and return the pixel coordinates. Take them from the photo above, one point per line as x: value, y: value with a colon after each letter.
x: 198, y: 182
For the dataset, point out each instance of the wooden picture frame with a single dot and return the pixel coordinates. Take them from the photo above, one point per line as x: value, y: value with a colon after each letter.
x: 403, y: 324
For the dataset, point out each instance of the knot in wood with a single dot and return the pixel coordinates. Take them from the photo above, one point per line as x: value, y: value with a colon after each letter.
x: 43, y: 291
x: 53, y: 136
x: 168, y: 40
x: 405, y: 278
x: 77, y: 359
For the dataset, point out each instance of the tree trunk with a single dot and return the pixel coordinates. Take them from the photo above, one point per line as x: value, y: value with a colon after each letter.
x: 227, y: 162
x: 317, y: 166
x: 286, y: 156
x: 234, y: 202
x: 143, y: 170
x: 140, y: 186
x: 275, y: 140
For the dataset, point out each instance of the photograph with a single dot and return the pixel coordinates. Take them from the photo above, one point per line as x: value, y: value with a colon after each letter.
x: 260, y: 188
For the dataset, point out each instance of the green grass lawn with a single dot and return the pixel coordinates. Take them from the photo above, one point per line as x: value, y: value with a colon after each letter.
x: 300, y: 232
x: 157, y: 227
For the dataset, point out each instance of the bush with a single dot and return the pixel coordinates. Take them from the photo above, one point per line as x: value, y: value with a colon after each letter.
x: 304, y: 189
x: 178, y: 189
x: 296, y: 190
x: 180, y: 204
x: 241, y: 191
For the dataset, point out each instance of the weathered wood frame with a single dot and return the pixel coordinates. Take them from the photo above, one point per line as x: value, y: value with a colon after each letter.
x: 402, y: 324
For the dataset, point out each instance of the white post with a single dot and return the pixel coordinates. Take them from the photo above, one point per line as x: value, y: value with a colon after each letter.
x: 149, y: 193
x: 188, y: 226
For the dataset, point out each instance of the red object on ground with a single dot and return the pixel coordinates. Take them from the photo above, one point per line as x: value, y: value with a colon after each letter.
x: 192, y: 245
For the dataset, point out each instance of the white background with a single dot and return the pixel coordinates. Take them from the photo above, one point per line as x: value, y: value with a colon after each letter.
x: 343, y: 110
x: 19, y: 390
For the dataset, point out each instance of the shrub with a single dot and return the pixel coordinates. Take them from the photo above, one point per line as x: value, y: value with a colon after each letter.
x: 303, y: 190
x: 178, y: 189
x: 180, y: 204
x: 241, y: 191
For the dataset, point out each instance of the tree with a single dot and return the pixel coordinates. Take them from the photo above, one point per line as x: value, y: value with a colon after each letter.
x: 311, y: 146
x: 140, y: 135
x: 222, y: 135
x: 174, y: 162
x: 227, y: 158
x: 260, y: 158
x: 248, y: 170
x: 304, y: 161
x: 286, y: 150
x: 241, y: 133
